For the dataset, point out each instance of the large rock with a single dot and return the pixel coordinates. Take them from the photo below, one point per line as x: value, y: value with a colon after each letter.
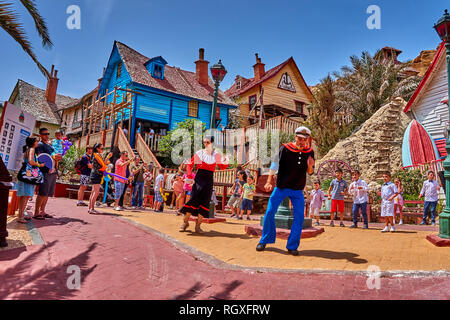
x: 377, y: 146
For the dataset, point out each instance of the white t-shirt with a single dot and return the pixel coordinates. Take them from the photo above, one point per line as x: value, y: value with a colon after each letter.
x: 159, y: 181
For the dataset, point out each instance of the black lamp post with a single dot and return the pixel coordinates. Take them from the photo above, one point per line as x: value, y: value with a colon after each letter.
x: 218, y: 72
x: 442, y: 27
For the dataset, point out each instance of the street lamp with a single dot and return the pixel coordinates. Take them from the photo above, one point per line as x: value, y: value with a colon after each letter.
x: 442, y: 27
x: 218, y: 72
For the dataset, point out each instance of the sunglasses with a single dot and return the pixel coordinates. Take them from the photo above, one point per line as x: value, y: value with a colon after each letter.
x: 206, y: 142
x: 45, y: 134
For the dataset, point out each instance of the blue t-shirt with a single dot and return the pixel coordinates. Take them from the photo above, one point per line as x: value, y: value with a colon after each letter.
x: 338, y: 187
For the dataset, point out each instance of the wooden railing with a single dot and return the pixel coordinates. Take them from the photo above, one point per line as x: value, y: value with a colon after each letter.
x: 152, y: 140
x: 435, y: 166
x: 122, y: 142
x: 145, y: 152
x: 108, y: 137
x: 95, y: 138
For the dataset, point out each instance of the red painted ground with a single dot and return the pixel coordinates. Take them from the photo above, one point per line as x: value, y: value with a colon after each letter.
x: 121, y: 261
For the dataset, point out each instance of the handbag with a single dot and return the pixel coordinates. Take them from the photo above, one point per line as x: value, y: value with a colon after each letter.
x: 29, y: 174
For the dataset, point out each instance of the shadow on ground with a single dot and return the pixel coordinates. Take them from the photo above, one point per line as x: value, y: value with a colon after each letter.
x: 24, y: 282
x: 197, y: 288
x: 325, y: 254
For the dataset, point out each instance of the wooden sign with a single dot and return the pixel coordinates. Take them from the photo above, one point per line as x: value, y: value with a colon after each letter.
x: 286, y: 83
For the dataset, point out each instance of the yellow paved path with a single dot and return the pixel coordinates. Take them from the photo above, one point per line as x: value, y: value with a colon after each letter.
x: 335, y: 249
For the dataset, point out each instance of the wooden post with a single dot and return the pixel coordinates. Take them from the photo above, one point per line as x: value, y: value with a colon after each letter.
x: 224, y: 197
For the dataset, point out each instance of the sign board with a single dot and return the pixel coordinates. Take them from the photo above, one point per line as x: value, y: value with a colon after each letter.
x: 15, y: 126
x: 286, y: 83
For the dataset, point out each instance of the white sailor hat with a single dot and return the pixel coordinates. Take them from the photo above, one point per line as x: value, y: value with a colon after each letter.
x: 303, y: 132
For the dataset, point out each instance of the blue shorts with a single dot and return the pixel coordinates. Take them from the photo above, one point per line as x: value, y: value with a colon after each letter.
x: 188, y: 193
x: 247, y: 204
x: 118, y: 187
x: 158, y: 196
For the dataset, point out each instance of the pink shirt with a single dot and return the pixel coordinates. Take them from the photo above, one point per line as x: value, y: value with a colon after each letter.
x: 177, y: 186
x: 120, y: 171
x: 188, y: 186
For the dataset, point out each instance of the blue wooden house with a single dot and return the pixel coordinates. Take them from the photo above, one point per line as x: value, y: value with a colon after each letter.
x: 168, y: 95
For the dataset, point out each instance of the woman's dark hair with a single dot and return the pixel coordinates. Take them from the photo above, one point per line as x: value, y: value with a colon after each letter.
x: 29, y: 143
x: 244, y: 175
x: 96, y: 146
x: 210, y: 138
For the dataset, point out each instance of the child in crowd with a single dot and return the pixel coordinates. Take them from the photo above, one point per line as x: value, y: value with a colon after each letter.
x: 235, y: 200
x: 359, y: 189
x: 57, y: 146
x: 148, y: 177
x: 430, y: 190
x: 317, y: 199
x: 398, y: 200
x: 337, y: 192
x: 388, y: 193
x: 188, y: 183
x: 159, y: 185
x: 178, y: 191
x: 247, y: 197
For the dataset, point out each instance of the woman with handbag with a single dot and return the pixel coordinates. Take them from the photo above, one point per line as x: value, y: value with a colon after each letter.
x: 97, y: 173
x: 28, y: 177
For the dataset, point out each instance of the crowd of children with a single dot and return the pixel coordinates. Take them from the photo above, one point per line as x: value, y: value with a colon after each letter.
x: 391, y: 199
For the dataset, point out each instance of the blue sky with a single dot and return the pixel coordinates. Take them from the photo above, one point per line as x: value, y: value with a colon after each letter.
x: 320, y: 35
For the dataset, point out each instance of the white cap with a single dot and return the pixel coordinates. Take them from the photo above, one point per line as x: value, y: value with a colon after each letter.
x: 303, y: 132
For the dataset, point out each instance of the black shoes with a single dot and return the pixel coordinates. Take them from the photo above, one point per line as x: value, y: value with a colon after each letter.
x: 293, y: 252
x: 353, y: 226
x: 260, y: 247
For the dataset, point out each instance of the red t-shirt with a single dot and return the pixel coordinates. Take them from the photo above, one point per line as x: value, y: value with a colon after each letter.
x: 120, y: 171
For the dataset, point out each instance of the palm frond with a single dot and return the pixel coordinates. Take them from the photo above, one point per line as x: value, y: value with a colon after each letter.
x: 41, y: 26
x: 10, y: 23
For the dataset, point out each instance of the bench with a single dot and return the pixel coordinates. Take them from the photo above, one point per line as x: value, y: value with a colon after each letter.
x: 412, y: 214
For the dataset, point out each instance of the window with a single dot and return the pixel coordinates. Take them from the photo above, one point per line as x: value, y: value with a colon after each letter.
x: 75, y: 116
x: 299, y: 107
x: 119, y: 70
x: 157, y: 72
x: 193, y: 109
x: 251, y: 102
x: 238, y: 85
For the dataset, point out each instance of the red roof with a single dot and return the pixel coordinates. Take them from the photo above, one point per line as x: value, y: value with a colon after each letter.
x: 440, y: 145
x: 251, y: 83
x: 425, y: 79
x: 175, y: 79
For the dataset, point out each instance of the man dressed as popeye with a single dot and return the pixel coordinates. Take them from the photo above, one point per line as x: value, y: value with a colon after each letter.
x: 294, y: 160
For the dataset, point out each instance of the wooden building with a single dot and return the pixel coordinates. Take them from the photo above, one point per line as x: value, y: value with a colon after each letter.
x: 43, y: 104
x: 72, y: 116
x: 281, y: 91
x: 429, y: 103
x: 167, y: 95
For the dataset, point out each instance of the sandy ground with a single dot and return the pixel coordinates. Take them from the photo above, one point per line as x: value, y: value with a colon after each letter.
x: 335, y: 249
x: 17, y: 234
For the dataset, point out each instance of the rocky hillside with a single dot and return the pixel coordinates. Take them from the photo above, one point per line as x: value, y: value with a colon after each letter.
x: 377, y: 146
x: 423, y: 61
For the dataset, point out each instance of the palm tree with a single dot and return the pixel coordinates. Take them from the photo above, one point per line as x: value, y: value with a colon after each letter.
x: 370, y: 83
x: 322, y: 120
x: 9, y: 21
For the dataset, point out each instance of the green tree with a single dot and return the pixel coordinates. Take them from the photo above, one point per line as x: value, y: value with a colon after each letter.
x: 67, y: 164
x: 325, y: 130
x: 166, y: 144
x: 9, y: 21
x: 371, y: 82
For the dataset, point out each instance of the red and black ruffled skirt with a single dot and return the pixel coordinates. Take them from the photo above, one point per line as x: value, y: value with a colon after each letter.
x: 201, y: 194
